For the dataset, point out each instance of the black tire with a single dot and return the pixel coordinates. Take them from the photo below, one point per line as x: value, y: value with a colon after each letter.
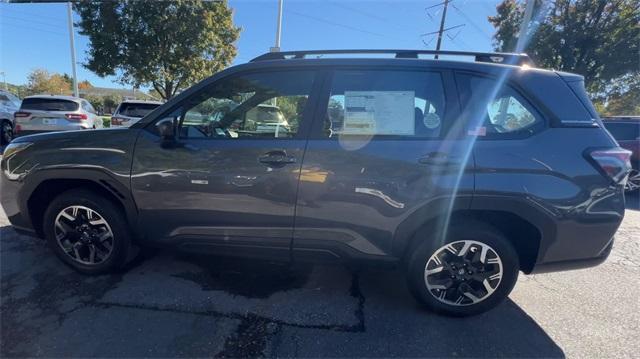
x: 120, y: 247
x: 6, y: 132
x: 420, y: 260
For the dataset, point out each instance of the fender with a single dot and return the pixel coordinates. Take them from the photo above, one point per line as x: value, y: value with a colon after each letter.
x: 110, y: 182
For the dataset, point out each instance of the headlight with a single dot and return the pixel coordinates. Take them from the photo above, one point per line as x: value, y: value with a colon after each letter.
x: 14, y: 148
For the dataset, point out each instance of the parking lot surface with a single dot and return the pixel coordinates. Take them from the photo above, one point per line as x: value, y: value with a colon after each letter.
x: 167, y: 304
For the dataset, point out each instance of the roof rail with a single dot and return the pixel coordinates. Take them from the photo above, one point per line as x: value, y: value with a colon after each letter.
x: 493, y: 57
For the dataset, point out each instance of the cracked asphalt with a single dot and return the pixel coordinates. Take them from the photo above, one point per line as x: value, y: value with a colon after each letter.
x: 167, y: 304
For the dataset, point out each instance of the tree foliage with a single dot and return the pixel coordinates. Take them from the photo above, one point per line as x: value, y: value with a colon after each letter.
x: 595, y: 38
x: 40, y: 81
x: 168, y: 45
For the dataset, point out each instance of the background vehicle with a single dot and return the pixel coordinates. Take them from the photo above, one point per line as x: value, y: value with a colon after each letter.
x: 48, y: 113
x: 626, y: 130
x: 463, y: 172
x: 9, y: 104
x: 267, y: 119
x: 130, y: 111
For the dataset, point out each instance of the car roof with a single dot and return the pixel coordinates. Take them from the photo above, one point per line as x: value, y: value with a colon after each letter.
x: 143, y: 102
x: 57, y: 97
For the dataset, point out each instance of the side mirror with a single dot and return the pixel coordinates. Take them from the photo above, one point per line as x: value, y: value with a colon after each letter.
x: 166, y: 130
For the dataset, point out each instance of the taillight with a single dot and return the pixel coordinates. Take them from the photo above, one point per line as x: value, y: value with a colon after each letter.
x: 21, y: 114
x: 615, y: 162
x: 75, y: 116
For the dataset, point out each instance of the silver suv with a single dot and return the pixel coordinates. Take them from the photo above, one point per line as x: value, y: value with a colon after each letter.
x: 9, y: 104
x: 131, y: 111
x: 47, y: 113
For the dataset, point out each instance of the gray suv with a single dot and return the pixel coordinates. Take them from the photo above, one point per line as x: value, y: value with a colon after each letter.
x: 462, y: 172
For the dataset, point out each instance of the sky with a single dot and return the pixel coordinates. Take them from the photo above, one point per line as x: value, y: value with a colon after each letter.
x: 36, y: 35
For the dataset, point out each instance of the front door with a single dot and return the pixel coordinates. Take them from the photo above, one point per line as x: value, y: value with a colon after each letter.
x: 228, y: 184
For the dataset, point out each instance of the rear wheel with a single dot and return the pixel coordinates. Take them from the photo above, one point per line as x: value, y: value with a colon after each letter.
x: 6, y: 132
x: 87, y: 232
x: 472, y: 271
x: 633, y: 182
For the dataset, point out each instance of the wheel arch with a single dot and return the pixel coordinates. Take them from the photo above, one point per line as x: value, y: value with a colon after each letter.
x: 523, y: 235
x: 49, y: 184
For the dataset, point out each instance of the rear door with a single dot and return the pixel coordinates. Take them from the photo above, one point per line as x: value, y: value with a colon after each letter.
x: 227, y: 185
x: 383, y: 159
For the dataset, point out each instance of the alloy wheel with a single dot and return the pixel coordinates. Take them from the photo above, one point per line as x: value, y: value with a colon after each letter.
x: 633, y: 182
x: 84, y: 235
x: 463, y: 273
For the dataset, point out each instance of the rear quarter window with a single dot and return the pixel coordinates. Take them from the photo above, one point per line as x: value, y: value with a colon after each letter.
x: 48, y: 104
x: 493, y: 108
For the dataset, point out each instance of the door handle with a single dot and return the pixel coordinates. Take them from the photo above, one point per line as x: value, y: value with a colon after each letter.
x: 276, y: 158
x: 439, y: 159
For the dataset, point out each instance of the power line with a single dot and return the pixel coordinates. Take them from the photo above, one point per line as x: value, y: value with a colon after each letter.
x: 32, y: 28
x: 473, y: 23
x: 31, y: 21
x: 334, y: 23
x: 32, y: 14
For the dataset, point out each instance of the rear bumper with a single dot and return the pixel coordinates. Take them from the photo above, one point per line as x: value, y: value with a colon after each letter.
x: 574, y: 264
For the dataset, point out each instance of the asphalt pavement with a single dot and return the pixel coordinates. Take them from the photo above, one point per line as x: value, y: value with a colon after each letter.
x: 167, y: 304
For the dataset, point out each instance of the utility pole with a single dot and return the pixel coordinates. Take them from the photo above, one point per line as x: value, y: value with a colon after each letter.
x: 444, y: 15
x: 278, y: 28
x: 73, y: 50
x: 522, y: 35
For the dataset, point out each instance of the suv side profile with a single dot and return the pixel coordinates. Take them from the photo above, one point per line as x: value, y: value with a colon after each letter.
x: 465, y: 173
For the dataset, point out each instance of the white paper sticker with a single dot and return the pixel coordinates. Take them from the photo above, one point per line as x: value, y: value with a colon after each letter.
x: 379, y: 113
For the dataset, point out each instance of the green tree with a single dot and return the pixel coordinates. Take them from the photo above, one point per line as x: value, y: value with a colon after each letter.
x: 42, y: 82
x: 169, y: 45
x: 595, y: 38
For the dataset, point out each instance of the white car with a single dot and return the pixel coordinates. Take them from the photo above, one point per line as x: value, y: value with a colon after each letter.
x: 9, y: 104
x: 131, y: 111
x: 48, y: 113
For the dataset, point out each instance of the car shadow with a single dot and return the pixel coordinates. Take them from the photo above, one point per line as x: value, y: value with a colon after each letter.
x: 270, y: 309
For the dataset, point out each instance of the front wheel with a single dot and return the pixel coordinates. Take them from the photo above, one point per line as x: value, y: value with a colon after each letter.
x: 470, y: 272
x: 87, y: 232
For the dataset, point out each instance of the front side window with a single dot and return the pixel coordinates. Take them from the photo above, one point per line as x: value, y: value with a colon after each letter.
x: 385, y: 103
x: 262, y: 105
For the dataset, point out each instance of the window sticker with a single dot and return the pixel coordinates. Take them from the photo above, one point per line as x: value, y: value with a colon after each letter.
x: 379, y: 113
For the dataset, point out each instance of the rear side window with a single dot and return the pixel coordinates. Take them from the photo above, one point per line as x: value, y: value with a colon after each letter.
x: 87, y: 107
x: 623, y: 131
x: 385, y: 103
x: 136, y: 109
x: 48, y: 104
x: 493, y: 108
